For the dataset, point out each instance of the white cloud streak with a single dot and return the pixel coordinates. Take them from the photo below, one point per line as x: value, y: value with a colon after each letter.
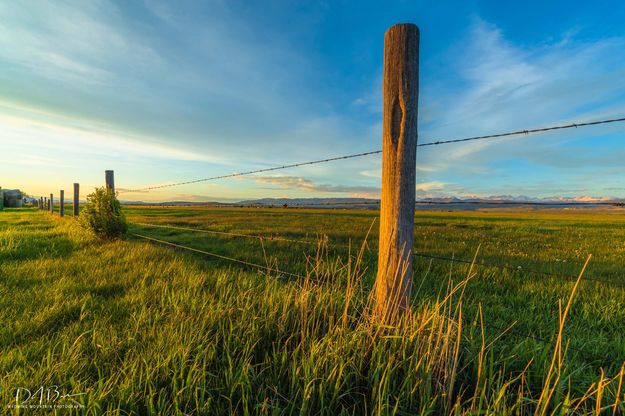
x: 508, y: 87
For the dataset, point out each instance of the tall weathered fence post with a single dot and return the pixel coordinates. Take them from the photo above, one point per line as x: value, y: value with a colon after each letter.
x: 109, y: 176
x: 399, y: 140
x: 62, y: 202
x: 51, y: 203
x: 76, y: 197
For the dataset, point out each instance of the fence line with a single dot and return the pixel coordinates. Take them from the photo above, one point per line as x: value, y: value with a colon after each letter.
x: 516, y: 269
x: 539, y: 203
x: 200, y: 230
x: 519, y: 269
x: 219, y: 256
x: 373, y: 152
x: 508, y: 329
x: 234, y: 260
x: 396, y: 231
x: 419, y: 202
x: 527, y: 131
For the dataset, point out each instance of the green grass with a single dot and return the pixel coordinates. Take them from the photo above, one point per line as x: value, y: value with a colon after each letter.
x: 144, y: 329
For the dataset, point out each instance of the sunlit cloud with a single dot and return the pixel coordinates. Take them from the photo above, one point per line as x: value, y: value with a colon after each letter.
x: 295, y: 182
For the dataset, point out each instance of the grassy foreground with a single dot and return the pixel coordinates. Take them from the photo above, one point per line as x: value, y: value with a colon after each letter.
x: 142, y: 329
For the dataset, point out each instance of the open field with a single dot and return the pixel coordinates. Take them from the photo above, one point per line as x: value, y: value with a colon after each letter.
x: 148, y: 329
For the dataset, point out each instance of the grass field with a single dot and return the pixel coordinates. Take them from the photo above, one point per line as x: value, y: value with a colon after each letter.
x: 141, y: 328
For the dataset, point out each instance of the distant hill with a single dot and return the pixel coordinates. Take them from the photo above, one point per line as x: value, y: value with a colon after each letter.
x: 175, y: 203
x: 449, y: 203
x: 307, y: 202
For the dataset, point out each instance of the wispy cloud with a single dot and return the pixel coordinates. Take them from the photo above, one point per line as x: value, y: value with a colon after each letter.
x: 39, y: 130
x: 431, y: 186
x: 508, y: 87
x: 307, y: 185
x: 168, y: 92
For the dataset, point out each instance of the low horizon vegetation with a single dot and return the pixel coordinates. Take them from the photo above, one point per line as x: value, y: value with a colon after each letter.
x: 143, y: 329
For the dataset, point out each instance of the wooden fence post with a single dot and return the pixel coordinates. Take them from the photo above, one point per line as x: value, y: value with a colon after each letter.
x: 62, y: 202
x: 51, y: 203
x: 109, y: 176
x: 399, y: 140
x: 76, y: 197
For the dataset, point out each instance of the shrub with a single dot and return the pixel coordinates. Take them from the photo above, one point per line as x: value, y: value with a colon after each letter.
x: 103, y: 215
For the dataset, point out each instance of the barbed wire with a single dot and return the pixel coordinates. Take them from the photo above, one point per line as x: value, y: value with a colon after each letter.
x: 509, y: 329
x: 526, y: 131
x: 279, y: 272
x: 373, y: 152
x: 516, y: 269
x: 335, y: 204
x: 588, y: 355
x: 219, y: 256
x: 537, y: 203
x: 227, y: 233
x: 251, y: 172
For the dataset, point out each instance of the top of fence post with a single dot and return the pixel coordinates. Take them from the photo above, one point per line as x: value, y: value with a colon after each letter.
x: 76, y: 197
x: 109, y: 177
x: 62, y: 202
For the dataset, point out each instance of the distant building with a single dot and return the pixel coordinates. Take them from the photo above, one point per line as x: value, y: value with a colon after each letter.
x: 27, y: 200
x: 13, y: 198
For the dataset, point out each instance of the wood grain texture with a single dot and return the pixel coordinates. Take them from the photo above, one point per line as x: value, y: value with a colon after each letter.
x: 399, y: 141
x: 51, y: 203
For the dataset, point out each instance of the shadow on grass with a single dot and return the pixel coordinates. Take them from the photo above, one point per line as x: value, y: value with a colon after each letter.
x: 53, y: 323
x: 109, y: 291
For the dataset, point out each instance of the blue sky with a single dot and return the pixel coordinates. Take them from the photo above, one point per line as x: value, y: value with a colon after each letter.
x: 164, y: 92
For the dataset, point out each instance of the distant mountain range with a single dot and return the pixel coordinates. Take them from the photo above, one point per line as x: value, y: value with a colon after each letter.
x: 372, y: 203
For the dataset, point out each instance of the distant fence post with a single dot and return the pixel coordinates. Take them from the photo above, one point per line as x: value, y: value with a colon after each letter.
x: 109, y: 176
x: 399, y: 148
x: 76, y: 196
x: 51, y: 203
x: 41, y: 203
x: 62, y: 202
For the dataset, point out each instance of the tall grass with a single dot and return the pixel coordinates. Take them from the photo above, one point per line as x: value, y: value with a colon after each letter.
x: 146, y: 330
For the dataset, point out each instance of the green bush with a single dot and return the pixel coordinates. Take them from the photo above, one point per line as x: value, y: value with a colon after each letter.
x: 103, y: 215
